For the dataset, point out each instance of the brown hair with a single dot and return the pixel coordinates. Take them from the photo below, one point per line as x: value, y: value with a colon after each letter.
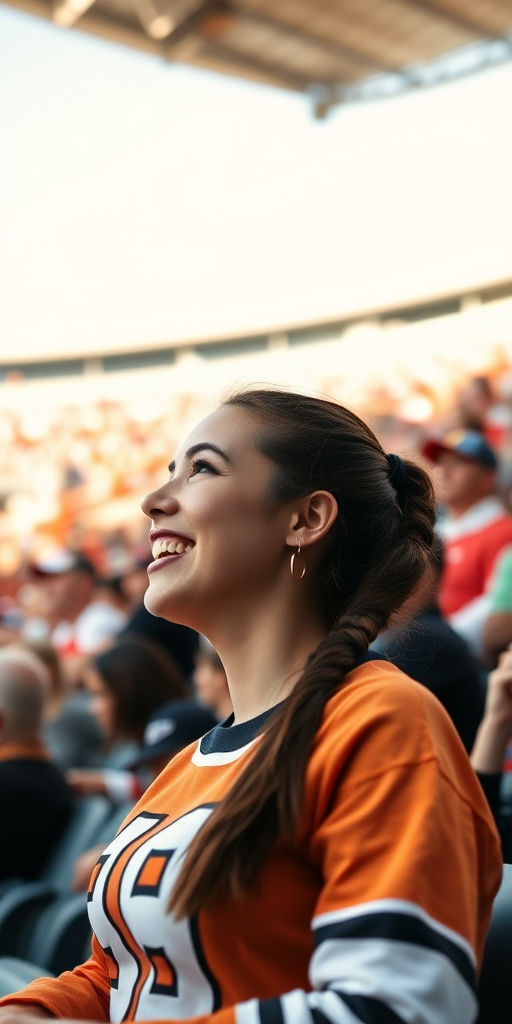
x: 141, y: 676
x: 379, y: 549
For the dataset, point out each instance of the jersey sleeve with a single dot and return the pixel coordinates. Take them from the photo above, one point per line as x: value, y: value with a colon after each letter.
x: 80, y: 994
x: 394, y: 931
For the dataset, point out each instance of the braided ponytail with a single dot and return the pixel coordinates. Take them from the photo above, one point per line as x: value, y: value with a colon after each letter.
x: 379, y: 549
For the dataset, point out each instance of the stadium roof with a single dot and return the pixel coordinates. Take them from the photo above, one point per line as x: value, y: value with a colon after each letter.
x: 337, y: 50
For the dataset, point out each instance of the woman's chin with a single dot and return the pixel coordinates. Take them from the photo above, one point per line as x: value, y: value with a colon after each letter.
x: 159, y: 602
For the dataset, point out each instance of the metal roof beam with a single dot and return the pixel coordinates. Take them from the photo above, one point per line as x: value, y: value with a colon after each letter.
x: 456, y: 20
x: 336, y: 50
x: 196, y: 24
x: 189, y: 27
x: 287, y: 79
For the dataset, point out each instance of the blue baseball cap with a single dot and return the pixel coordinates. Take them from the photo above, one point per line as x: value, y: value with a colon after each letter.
x: 469, y: 444
x: 171, y: 727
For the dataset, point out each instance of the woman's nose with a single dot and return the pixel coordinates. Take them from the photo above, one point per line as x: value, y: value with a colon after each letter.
x: 159, y: 503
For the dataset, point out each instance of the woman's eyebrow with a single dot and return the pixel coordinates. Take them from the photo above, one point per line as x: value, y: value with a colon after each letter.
x: 201, y: 447
x: 206, y: 445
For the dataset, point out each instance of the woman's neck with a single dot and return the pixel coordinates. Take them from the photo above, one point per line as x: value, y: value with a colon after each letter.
x: 264, y: 653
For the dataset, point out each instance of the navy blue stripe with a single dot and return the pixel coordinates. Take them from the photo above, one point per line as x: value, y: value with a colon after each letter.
x: 399, y: 928
x: 225, y: 738
x: 271, y: 1012
x: 369, y: 1010
x: 365, y: 1008
x: 203, y: 963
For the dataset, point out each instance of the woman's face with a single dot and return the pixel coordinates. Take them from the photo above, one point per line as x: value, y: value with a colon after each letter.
x: 102, y: 703
x: 214, y: 538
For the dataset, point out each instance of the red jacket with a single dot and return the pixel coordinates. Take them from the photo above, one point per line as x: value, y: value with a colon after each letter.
x: 472, y: 545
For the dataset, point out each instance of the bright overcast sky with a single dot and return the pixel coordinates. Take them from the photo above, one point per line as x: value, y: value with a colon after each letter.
x: 142, y: 202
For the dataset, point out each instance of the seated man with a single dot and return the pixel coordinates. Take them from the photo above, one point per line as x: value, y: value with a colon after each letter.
x: 475, y: 532
x: 35, y: 802
x: 76, y: 617
x: 428, y: 650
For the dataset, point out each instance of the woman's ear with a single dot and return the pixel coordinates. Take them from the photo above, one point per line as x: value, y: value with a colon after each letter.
x: 312, y: 519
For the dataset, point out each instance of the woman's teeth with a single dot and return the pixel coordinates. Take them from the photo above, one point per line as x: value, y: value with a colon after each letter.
x: 169, y: 547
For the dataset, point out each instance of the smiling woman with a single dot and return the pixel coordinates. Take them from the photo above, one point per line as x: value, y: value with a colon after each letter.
x: 326, y: 854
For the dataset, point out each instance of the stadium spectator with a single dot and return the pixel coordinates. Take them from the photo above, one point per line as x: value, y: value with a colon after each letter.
x: 474, y: 404
x: 476, y: 530
x: 210, y: 681
x: 35, y: 802
x: 76, y: 622
x: 71, y: 732
x: 109, y: 590
x: 170, y: 728
x: 127, y: 684
x: 427, y: 649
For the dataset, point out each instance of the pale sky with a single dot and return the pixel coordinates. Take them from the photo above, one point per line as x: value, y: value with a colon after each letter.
x: 142, y: 202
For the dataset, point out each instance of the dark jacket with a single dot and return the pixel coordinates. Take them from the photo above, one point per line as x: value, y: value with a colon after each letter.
x: 427, y: 649
x: 35, y: 805
x: 179, y: 641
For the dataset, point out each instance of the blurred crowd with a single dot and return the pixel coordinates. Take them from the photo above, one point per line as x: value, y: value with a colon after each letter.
x: 70, y: 475
x: 96, y: 694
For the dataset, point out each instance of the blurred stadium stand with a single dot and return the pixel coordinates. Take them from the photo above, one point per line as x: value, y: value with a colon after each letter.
x: 337, y: 50
x: 82, y: 439
x: 44, y: 922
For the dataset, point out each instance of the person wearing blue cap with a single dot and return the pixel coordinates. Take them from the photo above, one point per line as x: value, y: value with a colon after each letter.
x: 172, y: 727
x: 476, y: 529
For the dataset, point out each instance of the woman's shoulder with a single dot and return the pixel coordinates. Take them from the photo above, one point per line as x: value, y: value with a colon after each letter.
x: 377, y: 687
x: 382, y: 714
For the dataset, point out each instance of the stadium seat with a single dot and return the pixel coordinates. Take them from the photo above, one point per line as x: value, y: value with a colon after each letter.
x: 495, y: 986
x: 90, y: 815
x: 10, y: 883
x: 61, y: 936
x: 15, y: 974
x: 19, y: 909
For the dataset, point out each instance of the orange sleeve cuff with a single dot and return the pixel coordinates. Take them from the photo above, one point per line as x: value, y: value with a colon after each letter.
x: 82, y: 994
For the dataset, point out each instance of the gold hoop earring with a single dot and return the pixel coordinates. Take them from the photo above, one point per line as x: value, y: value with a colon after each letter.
x: 293, y: 563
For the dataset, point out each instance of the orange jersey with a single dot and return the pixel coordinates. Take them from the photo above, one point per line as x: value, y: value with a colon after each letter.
x: 377, y: 911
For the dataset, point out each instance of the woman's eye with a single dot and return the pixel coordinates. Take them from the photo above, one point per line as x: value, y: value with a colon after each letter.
x: 201, y: 466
